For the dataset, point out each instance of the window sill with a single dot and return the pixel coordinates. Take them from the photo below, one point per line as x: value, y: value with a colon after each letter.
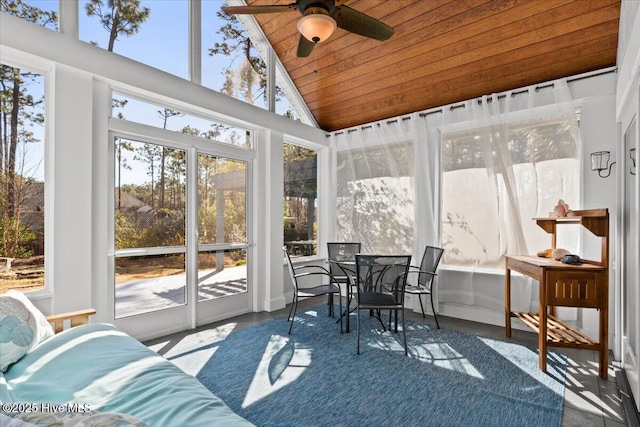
x: 39, y: 294
x: 487, y: 271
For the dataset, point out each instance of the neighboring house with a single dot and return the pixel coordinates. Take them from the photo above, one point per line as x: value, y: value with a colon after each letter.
x: 32, y: 216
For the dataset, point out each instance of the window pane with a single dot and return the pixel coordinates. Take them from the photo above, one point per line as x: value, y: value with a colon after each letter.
x: 230, y: 63
x: 145, y: 37
x: 41, y: 12
x: 375, y: 197
x: 222, y: 273
x: 22, y: 186
x: 541, y: 164
x: 300, y: 200
x: 222, y: 208
x: 149, y: 283
x: 150, y: 195
x: 128, y: 108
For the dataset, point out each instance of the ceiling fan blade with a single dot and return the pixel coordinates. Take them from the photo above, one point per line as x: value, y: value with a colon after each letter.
x: 359, y: 23
x: 304, y: 47
x: 254, y: 10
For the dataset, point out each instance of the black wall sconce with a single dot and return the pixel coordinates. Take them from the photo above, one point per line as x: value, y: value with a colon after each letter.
x: 600, y: 162
x: 632, y: 156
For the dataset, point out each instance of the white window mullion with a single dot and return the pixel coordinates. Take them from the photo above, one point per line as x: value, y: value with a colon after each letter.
x: 192, y: 235
x: 195, y: 41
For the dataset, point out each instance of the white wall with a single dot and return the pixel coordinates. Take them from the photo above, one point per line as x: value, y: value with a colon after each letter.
x: 626, y: 106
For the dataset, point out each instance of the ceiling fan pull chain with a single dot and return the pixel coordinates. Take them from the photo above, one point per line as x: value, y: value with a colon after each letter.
x: 315, y: 60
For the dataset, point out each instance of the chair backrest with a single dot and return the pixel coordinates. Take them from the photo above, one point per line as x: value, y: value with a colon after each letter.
x: 383, y: 274
x: 290, y: 265
x: 342, y: 251
x: 430, y: 261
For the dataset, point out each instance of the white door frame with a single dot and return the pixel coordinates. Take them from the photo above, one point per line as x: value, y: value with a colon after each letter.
x: 169, y: 320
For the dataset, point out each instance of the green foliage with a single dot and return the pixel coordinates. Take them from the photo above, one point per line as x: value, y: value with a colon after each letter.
x: 14, y: 231
x: 19, y: 8
x: 127, y: 235
x: 118, y: 17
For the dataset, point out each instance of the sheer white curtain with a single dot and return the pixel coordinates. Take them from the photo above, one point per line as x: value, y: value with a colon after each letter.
x: 497, y: 174
x: 393, y: 192
x: 375, y: 186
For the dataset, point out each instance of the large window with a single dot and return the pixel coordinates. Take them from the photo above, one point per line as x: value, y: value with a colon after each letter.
x: 229, y: 61
x: 154, y: 178
x: 222, y: 223
x: 132, y: 109
x: 300, y: 200
x: 137, y: 29
x: 22, y: 179
x: 22, y: 161
x: 150, y: 201
x: 493, y: 186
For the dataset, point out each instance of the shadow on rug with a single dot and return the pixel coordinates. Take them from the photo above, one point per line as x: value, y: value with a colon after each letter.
x: 314, y: 377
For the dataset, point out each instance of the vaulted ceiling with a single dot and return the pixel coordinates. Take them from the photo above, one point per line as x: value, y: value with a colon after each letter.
x: 442, y: 52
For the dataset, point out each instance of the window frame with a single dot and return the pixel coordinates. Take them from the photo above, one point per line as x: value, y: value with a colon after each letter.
x: 192, y: 145
x: 45, y: 68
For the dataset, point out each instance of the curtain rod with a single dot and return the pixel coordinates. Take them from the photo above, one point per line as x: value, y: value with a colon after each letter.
x: 519, y: 91
x: 370, y: 126
x: 503, y: 95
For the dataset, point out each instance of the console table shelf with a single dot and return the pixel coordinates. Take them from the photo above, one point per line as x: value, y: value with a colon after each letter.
x: 558, y: 332
x: 585, y: 285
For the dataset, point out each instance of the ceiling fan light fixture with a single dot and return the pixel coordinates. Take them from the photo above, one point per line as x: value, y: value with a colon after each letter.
x: 316, y: 27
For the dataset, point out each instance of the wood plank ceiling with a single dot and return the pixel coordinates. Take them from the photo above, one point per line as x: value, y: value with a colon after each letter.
x: 442, y: 52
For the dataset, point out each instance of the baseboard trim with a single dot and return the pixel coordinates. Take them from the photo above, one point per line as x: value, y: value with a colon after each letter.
x: 629, y: 405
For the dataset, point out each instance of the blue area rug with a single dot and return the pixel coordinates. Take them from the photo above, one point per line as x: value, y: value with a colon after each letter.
x: 314, y: 377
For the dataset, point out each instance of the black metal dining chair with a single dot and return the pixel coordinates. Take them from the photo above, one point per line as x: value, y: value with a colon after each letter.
x: 421, y: 279
x: 342, y: 258
x: 381, y: 281
x: 311, y: 288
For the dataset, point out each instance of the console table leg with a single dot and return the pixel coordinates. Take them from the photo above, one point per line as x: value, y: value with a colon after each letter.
x: 507, y: 302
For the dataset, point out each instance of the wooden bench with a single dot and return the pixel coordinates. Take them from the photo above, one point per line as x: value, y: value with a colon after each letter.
x: 76, y: 318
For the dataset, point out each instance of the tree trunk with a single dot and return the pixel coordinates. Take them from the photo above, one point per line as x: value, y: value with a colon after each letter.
x: 113, y: 35
x: 13, y: 146
x: 162, y: 161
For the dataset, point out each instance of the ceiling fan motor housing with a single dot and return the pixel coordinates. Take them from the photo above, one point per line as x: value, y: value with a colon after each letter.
x: 325, y: 7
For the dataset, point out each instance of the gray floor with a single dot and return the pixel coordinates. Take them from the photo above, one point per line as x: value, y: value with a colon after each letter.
x: 589, y: 400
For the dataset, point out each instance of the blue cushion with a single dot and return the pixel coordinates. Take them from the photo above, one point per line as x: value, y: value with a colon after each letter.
x: 100, y: 365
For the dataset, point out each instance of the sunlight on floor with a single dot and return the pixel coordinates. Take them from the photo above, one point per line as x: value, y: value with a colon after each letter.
x: 192, y: 363
x: 194, y: 341
x: 264, y: 382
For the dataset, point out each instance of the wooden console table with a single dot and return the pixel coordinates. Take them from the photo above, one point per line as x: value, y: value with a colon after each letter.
x: 585, y: 285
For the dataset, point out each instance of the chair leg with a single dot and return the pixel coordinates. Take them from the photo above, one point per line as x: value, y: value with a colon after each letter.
x: 421, y: 306
x: 295, y: 308
x: 404, y: 332
x: 358, y: 330
x: 291, y: 308
x: 434, y: 311
x: 340, y: 312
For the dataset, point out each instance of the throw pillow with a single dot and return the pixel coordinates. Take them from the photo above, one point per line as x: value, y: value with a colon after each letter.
x: 22, y: 327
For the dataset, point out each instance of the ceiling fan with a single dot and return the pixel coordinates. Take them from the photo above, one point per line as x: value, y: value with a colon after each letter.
x: 320, y: 19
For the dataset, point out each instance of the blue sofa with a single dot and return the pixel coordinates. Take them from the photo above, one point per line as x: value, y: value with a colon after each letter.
x: 103, y: 369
